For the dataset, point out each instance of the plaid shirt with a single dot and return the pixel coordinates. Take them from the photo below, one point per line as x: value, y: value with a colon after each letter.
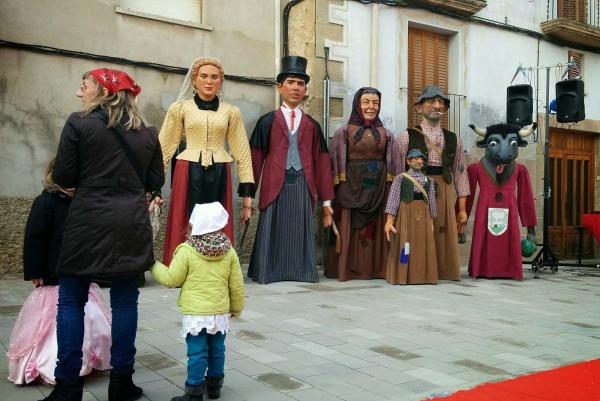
x: 393, y: 203
x: 436, y: 135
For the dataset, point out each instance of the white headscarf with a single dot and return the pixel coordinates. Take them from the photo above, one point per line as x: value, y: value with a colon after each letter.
x: 187, y: 81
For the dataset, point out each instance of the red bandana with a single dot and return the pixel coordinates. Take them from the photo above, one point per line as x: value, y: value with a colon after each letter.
x: 115, y: 80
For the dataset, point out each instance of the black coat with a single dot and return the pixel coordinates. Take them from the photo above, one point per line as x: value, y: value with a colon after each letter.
x: 43, y: 236
x: 107, y: 232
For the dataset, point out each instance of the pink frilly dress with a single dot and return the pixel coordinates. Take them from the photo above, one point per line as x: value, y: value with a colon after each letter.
x: 33, y: 346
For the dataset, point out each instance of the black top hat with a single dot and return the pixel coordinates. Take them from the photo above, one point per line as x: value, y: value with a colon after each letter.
x: 294, y: 66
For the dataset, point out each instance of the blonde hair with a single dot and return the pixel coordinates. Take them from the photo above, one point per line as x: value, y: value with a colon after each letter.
x: 199, y: 62
x: 117, y: 104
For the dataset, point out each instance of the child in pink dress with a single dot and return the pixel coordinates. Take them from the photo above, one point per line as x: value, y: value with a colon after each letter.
x: 33, y: 346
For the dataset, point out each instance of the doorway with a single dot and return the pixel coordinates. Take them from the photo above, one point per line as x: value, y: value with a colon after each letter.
x: 572, y: 173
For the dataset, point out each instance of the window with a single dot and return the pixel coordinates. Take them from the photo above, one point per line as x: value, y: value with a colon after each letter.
x: 184, y: 12
x: 576, y: 70
x: 427, y: 65
x: 572, y: 9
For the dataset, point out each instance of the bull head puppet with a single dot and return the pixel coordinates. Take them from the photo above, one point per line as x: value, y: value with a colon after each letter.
x: 502, y: 143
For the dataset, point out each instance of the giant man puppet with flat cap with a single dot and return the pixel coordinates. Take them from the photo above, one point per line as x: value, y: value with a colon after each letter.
x: 446, y: 165
x: 289, y: 155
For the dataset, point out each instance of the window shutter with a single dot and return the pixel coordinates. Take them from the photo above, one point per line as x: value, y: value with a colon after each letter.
x: 572, y: 9
x: 576, y: 70
x: 427, y: 65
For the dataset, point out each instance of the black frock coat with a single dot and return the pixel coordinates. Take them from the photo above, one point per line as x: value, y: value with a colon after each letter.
x: 107, y: 232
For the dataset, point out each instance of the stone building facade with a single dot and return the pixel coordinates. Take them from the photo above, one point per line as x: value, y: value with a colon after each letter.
x: 46, y: 45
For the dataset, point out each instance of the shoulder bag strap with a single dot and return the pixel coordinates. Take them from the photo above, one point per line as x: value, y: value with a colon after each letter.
x: 118, y: 133
x: 417, y: 184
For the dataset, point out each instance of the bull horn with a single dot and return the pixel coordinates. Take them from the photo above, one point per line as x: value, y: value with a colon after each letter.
x: 525, y: 132
x: 479, y: 131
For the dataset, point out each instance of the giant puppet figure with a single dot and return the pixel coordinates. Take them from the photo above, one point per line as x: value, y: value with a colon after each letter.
x: 504, y: 196
x: 443, y: 150
x: 290, y: 157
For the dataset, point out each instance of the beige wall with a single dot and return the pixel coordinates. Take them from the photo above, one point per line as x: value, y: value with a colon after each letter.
x: 37, y: 90
x: 309, y: 27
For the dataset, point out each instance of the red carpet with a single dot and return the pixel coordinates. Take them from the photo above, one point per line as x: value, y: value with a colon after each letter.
x: 578, y: 382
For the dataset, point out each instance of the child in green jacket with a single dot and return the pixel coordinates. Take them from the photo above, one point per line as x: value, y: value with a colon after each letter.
x: 212, y: 289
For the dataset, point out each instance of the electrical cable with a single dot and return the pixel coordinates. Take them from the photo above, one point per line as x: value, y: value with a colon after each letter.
x: 123, y: 61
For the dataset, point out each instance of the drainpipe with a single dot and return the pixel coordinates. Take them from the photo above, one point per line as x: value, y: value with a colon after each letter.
x: 277, y: 49
x: 286, y: 17
x: 326, y: 93
x: 374, y: 43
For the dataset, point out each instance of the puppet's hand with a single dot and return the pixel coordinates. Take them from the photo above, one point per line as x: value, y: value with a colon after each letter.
x: 461, y: 221
x: 327, y: 216
x: 389, y: 227
x: 531, y: 234
x: 246, y: 213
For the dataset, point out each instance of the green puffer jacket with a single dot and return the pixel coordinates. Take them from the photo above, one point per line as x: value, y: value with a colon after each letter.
x: 210, y: 285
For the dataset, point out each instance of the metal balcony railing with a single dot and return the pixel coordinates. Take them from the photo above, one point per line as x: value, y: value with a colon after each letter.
x: 583, y: 11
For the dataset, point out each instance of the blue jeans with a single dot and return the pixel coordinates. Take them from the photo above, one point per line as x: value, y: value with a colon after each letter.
x: 72, y: 297
x: 205, y: 351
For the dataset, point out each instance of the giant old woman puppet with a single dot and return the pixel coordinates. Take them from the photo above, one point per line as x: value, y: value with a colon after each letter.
x: 504, y: 196
x: 364, y: 161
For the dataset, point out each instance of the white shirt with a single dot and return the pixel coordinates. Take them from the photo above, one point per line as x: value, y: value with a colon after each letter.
x: 287, y: 114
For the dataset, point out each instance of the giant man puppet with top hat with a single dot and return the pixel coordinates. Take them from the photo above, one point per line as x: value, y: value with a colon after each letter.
x: 289, y: 155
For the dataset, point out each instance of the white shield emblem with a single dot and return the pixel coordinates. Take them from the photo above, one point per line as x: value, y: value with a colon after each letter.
x: 497, y: 220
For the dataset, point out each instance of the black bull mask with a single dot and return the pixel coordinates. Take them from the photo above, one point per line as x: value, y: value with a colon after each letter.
x: 502, y: 143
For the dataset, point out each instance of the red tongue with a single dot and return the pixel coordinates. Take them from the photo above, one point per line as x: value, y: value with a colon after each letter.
x: 499, y: 168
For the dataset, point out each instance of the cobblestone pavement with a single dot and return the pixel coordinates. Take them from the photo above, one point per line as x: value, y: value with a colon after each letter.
x: 360, y: 340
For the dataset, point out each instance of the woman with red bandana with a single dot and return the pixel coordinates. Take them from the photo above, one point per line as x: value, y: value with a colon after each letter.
x: 110, y: 154
x: 364, y: 163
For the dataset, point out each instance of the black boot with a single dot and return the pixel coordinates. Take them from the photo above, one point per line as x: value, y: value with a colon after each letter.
x: 213, y: 386
x: 66, y: 390
x: 121, y: 387
x: 192, y: 393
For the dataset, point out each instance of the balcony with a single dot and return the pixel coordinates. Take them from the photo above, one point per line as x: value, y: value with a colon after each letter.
x: 466, y: 7
x: 573, y: 21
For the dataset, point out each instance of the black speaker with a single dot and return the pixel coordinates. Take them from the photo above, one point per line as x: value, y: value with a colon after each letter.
x: 519, y: 104
x: 569, y: 101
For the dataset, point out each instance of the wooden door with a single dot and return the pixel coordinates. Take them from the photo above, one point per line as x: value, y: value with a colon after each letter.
x: 427, y: 65
x: 572, y: 171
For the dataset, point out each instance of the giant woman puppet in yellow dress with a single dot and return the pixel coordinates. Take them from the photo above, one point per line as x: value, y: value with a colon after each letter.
x: 202, y: 171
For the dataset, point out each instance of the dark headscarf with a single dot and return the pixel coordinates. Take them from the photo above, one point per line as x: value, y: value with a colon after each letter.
x: 356, y: 118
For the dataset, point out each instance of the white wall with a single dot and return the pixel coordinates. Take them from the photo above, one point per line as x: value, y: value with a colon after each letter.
x: 525, y: 14
x: 482, y: 60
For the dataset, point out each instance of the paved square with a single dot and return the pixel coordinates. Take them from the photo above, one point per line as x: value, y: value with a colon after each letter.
x: 360, y: 340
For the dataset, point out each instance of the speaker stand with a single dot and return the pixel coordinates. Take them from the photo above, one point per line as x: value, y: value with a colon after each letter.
x: 546, y: 258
